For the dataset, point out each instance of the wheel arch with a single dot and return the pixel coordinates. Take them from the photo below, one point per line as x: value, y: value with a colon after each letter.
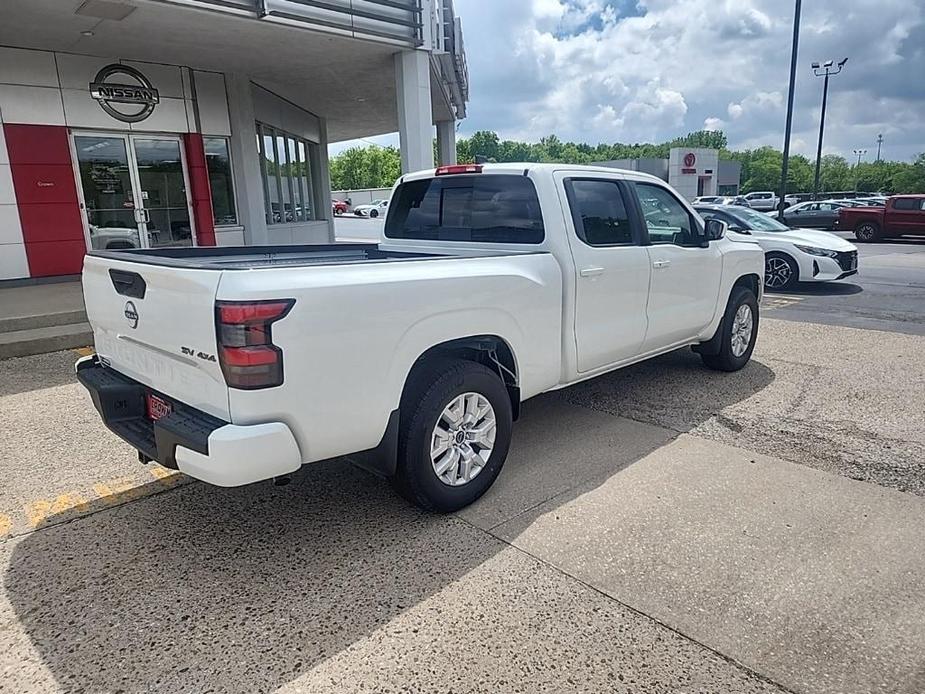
x: 750, y: 281
x: 492, y: 351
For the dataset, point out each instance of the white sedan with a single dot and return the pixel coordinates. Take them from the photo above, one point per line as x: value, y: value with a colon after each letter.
x: 790, y: 255
x: 372, y: 210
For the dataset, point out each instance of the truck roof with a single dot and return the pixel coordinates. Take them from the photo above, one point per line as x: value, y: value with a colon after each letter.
x: 522, y: 167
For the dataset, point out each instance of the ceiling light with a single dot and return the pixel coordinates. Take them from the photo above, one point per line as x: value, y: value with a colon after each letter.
x: 105, y: 9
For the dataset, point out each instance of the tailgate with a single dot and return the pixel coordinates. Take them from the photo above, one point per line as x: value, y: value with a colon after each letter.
x: 156, y: 324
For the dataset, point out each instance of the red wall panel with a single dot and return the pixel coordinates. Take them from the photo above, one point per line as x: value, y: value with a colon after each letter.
x: 41, y: 184
x: 200, y: 191
x: 50, y: 258
x: 37, y: 144
x: 46, y: 195
x: 51, y: 222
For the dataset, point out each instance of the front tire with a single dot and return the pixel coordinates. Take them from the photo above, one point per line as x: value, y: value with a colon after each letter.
x: 738, y: 332
x: 867, y: 232
x: 454, y: 434
x: 780, y: 272
x: 373, y: 214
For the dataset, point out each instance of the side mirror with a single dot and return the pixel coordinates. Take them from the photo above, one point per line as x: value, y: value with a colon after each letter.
x: 714, y: 229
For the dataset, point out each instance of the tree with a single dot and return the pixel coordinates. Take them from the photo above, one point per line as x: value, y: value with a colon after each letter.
x: 834, y: 173
x: 911, y: 178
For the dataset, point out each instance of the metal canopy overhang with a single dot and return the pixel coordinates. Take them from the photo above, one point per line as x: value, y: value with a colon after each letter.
x: 348, y: 81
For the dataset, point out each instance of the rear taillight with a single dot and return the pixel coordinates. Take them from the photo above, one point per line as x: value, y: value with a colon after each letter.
x: 453, y: 169
x: 246, y: 352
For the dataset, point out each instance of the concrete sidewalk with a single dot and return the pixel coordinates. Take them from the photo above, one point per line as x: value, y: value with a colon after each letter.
x: 811, y: 579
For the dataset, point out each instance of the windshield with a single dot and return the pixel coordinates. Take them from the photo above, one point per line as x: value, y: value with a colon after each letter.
x: 758, y: 221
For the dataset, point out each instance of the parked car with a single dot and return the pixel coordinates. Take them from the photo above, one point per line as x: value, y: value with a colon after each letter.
x: 372, y: 210
x: 903, y: 215
x: 707, y: 200
x: 491, y: 284
x: 791, y: 255
x: 766, y: 200
x: 815, y: 215
x: 339, y: 206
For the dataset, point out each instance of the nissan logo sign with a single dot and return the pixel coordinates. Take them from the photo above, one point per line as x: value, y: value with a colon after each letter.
x: 131, y: 313
x: 129, y: 103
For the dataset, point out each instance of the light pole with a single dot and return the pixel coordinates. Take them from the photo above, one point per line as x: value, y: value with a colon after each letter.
x: 825, y: 69
x: 857, y: 174
x: 879, y: 143
x: 781, y: 203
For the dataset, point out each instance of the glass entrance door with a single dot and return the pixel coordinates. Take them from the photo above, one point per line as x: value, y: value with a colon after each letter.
x: 134, y: 191
x: 108, y: 182
x: 162, y: 183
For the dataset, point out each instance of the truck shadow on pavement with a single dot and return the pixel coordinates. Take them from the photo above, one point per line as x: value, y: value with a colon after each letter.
x: 201, y: 588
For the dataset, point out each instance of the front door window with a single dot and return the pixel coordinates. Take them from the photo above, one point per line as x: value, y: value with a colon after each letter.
x: 134, y: 191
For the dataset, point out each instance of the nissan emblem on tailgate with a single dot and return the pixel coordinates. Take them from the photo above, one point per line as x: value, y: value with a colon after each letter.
x: 132, y: 314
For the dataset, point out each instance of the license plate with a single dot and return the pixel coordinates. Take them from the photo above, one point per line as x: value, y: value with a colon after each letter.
x: 156, y: 408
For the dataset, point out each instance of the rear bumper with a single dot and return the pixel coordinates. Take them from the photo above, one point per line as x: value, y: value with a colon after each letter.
x: 189, y: 440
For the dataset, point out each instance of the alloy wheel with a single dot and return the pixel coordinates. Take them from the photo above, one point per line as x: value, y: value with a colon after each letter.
x: 742, y: 326
x: 777, y: 272
x: 462, y: 439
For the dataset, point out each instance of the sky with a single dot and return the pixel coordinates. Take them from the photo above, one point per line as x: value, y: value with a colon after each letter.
x: 651, y: 70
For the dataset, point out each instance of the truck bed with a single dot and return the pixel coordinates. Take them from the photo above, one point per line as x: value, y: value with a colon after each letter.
x: 251, y: 257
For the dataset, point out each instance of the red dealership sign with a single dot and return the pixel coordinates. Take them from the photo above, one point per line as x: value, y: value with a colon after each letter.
x: 689, y: 159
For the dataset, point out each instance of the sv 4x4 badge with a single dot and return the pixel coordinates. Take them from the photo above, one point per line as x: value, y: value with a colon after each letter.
x: 190, y: 352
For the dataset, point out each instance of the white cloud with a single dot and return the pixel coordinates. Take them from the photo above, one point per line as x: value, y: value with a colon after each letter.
x: 621, y: 70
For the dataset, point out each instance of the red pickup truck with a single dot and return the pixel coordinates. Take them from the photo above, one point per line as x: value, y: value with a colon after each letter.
x: 903, y: 215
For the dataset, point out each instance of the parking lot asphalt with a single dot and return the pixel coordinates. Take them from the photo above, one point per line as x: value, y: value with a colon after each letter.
x: 661, y: 529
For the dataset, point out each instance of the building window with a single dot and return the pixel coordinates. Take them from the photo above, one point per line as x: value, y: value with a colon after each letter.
x: 218, y: 163
x: 287, y: 178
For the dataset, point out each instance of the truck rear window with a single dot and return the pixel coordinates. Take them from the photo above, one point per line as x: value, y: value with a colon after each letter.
x: 494, y: 208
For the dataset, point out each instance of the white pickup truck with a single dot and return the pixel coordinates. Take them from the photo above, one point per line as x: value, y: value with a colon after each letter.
x: 491, y: 284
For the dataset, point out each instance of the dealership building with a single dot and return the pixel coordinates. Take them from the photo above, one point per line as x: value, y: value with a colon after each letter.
x: 692, y: 171
x: 146, y: 123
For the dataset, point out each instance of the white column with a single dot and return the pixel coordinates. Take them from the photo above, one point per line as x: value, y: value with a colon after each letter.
x: 321, y: 173
x: 446, y: 141
x: 415, y: 122
x: 245, y: 159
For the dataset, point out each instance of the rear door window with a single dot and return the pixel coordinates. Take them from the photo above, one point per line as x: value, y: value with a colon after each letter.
x: 905, y: 204
x: 479, y: 208
x: 599, y: 212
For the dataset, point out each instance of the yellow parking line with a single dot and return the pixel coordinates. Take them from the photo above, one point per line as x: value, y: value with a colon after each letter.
x: 40, y: 509
x: 42, y: 512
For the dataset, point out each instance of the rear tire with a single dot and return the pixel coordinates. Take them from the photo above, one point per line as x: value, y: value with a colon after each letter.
x: 373, y: 214
x: 867, y: 232
x: 735, y: 346
x: 433, y: 389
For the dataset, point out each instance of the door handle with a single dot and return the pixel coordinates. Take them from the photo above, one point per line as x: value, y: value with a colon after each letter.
x: 659, y: 264
x: 591, y: 271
